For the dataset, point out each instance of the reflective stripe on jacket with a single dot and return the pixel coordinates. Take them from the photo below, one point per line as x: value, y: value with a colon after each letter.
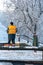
x: 11, y: 29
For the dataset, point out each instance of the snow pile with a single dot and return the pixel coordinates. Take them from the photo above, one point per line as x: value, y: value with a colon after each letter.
x: 3, y: 34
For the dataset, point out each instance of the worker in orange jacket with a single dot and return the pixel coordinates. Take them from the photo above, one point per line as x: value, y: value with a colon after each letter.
x: 11, y: 30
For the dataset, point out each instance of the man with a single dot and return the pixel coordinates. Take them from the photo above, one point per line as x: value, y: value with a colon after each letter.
x: 11, y: 33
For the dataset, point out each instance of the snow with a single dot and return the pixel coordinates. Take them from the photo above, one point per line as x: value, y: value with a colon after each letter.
x: 5, y: 63
x: 3, y: 34
x: 20, y: 55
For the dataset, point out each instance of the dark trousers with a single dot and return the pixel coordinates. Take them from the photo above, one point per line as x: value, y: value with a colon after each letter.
x: 11, y: 37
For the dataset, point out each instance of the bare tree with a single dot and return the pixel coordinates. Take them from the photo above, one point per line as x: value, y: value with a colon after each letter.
x: 26, y: 13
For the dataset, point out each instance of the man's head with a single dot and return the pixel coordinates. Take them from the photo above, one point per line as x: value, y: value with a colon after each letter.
x: 11, y: 23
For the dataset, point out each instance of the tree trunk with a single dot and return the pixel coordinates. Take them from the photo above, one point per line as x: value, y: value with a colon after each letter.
x: 35, y: 40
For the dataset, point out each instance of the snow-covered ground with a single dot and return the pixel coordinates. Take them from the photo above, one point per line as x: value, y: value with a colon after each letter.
x: 5, y: 63
x: 22, y: 55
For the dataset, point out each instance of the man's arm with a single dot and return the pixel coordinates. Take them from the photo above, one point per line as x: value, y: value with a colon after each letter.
x: 7, y: 30
x: 16, y: 29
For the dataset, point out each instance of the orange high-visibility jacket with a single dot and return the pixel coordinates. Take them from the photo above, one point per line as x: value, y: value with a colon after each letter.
x: 11, y: 29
